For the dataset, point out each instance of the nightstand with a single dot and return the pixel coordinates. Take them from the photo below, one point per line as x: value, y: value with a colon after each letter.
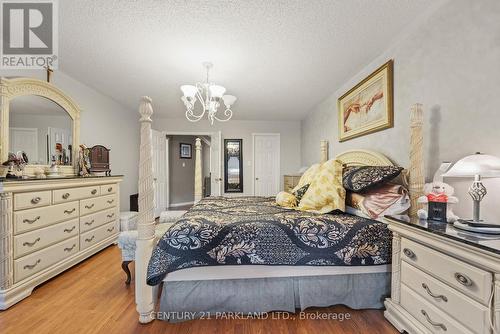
x: 290, y: 181
x: 444, y: 280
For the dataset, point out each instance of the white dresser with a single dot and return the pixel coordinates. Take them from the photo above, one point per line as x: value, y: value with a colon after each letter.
x: 443, y: 280
x: 49, y: 225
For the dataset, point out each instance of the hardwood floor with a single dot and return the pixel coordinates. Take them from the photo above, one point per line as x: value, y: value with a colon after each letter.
x: 93, y: 298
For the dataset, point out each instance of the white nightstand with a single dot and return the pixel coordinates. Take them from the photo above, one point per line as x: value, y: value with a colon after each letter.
x: 443, y: 280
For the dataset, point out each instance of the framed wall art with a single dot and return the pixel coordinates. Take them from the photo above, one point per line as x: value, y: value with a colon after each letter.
x: 368, y: 106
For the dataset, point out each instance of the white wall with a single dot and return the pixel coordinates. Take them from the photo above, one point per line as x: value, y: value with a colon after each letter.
x: 103, y: 121
x: 236, y: 129
x: 450, y: 62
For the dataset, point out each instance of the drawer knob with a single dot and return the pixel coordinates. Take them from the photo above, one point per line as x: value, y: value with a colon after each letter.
x: 463, y: 279
x: 89, y: 239
x: 69, y: 230
x: 89, y: 206
x: 36, y: 200
x: 433, y: 323
x: 110, y: 215
x: 65, y: 196
x: 110, y: 201
x: 31, y: 266
x: 111, y: 229
x: 31, y: 244
x: 69, y: 249
x: 31, y: 221
x: 409, y: 253
x: 90, y: 222
x: 433, y: 295
x: 94, y: 191
x: 110, y: 189
x: 70, y: 211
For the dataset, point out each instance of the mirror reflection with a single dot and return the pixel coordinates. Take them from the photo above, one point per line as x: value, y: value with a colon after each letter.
x: 41, y: 129
x: 233, y: 166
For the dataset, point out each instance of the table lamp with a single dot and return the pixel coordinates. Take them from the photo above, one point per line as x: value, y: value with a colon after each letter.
x: 478, y: 166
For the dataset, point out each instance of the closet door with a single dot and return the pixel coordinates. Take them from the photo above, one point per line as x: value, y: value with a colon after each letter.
x: 266, y: 156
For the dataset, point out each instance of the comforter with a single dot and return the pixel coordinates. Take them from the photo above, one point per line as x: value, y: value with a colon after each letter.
x: 256, y: 231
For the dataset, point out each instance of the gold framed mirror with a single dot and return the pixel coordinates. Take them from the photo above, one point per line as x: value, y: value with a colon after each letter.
x: 38, y: 117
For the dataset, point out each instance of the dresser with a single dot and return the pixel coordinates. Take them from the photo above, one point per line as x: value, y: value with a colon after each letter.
x: 49, y: 225
x: 444, y: 280
x: 290, y: 181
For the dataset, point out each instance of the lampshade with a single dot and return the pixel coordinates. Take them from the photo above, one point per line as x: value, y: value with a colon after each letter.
x: 229, y: 100
x: 189, y: 90
x: 217, y: 91
x: 477, y: 164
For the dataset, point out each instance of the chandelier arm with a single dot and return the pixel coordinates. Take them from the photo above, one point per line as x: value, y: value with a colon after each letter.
x: 228, y: 113
x: 192, y: 117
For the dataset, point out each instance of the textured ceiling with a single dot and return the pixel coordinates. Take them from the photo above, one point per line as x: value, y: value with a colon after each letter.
x: 280, y: 58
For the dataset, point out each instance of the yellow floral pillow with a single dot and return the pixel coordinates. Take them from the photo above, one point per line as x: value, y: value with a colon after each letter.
x: 326, y: 192
x: 307, y: 177
x: 286, y: 199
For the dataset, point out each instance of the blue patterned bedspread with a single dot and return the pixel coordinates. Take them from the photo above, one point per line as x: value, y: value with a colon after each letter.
x: 256, y: 231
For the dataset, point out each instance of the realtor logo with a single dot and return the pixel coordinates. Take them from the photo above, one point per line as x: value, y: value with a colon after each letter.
x: 29, y: 34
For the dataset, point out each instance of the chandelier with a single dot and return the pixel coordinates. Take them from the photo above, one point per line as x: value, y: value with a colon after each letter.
x: 209, y: 95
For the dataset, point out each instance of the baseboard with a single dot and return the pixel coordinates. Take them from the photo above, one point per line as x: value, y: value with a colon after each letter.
x: 175, y: 205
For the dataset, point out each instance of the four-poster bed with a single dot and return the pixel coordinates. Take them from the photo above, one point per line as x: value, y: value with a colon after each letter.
x: 228, y: 274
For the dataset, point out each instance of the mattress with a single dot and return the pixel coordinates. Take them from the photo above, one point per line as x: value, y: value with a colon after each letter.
x: 250, y: 271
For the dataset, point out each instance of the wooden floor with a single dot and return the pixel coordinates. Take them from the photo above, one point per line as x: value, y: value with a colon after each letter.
x: 92, y: 298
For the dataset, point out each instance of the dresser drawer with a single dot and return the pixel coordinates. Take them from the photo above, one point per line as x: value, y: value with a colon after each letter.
x: 92, y: 237
x: 97, y: 219
x: 108, y: 189
x: 429, y: 315
x: 32, y: 200
x: 32, y: 241
x: 73, y: 194
x: 33, y: 263
x: 32, y: 219
x: 469, y: 312
x: 471, y: 280
x: 97, y: 204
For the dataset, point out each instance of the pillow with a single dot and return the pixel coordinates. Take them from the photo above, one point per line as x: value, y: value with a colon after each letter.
x: 307, y: 177
x: 325, y: 192
x: 286, y: 200
x: 361, y: 178
x: 387, y: 199
x: 300, y: 192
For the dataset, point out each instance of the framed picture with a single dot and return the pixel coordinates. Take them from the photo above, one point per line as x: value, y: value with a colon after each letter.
x: 186, y: 151
x: 367, y: 107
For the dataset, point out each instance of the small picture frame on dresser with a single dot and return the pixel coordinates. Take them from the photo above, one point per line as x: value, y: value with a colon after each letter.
x: 437, y: 211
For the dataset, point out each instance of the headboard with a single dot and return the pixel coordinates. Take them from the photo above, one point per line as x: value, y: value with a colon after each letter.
x: 363, y: 158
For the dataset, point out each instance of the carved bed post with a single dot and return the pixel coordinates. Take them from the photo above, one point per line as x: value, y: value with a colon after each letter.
x: 416, y: 170
x: 145, y: 225
x: 324, y: 151
x: 198, y: 182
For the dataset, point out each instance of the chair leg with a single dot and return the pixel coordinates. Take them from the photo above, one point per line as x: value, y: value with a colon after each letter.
x: 127, y: 271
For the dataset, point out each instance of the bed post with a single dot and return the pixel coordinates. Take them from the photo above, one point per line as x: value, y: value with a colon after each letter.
x: 145, y: 225
x: 324, y: 151
x: 416, y: 177
x: 198, y: 182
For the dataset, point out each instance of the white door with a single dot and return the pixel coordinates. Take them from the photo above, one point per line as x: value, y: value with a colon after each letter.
x: 266, y: 161
x: 160, y: 171
x: 216, y: 170
x: 24, y: 139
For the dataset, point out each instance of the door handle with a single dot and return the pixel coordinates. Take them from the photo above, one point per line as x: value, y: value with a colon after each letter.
x: 257, y: 179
